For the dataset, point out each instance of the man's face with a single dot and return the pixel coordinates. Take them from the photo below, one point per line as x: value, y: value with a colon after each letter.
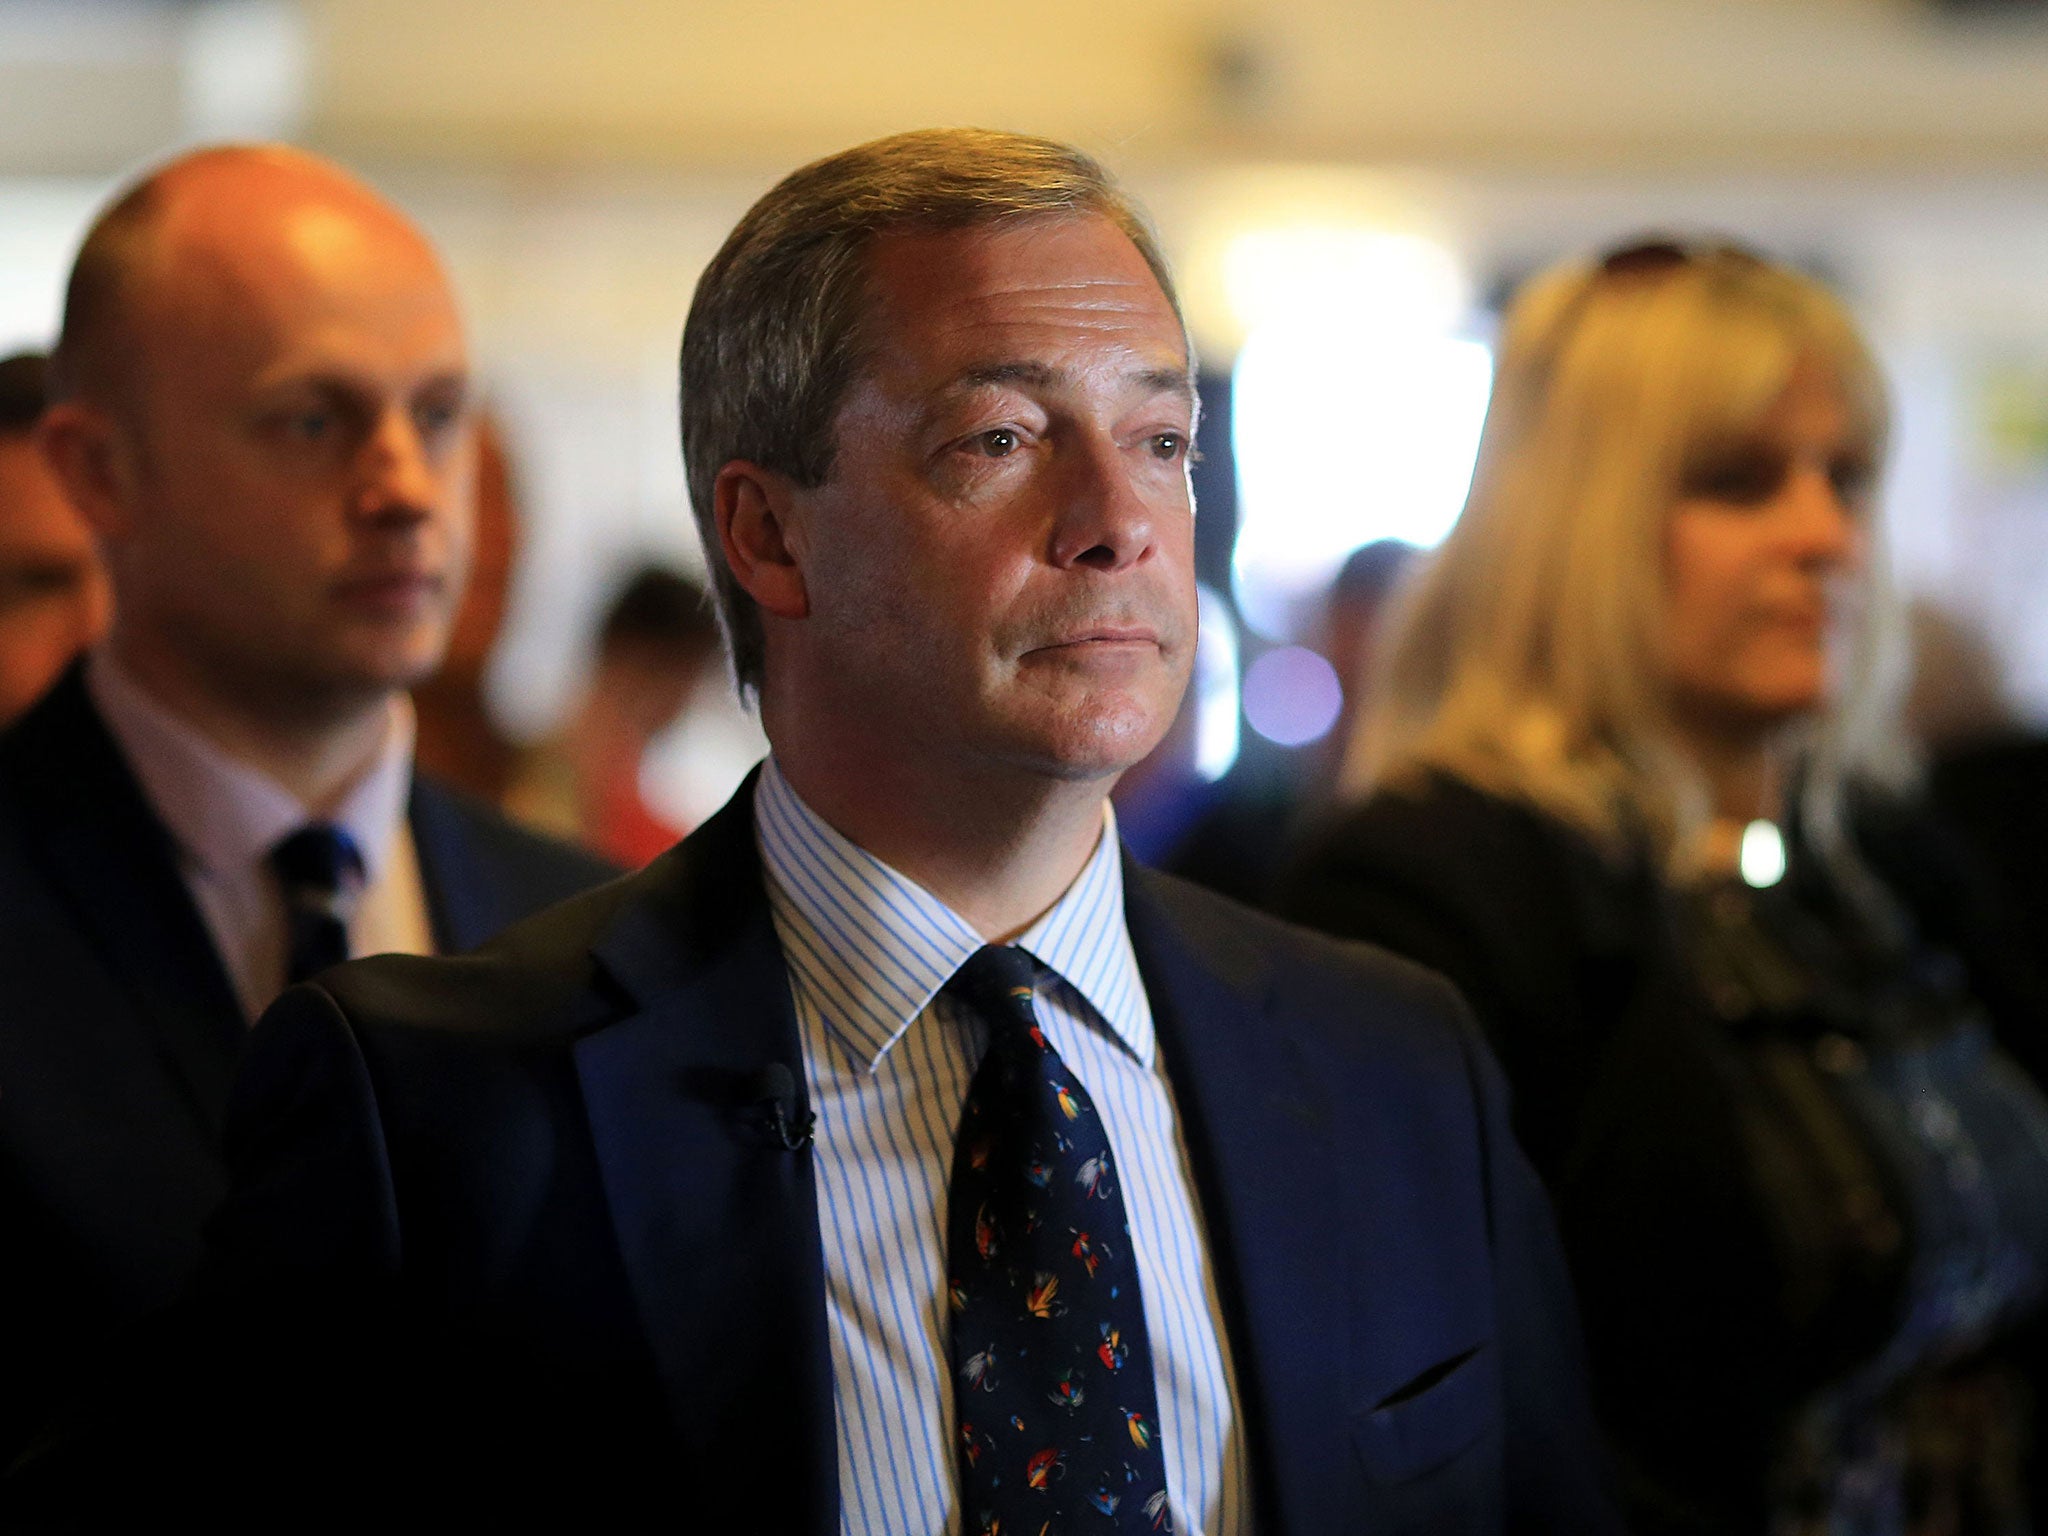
x: 1001, y: 566
x: 53, y: 594
x: 299, y: 518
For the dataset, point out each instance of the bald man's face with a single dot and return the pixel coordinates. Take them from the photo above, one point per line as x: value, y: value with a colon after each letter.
x: 296, y: 521
x: 53, y: 595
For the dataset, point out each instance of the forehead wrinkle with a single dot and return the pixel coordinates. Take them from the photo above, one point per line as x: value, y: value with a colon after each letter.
x: 1151, y: 380
x: 1083, y: 303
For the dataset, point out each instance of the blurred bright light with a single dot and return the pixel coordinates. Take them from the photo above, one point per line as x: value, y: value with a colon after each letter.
x: 41, y: 222
x: 1215, y: 688
x: 1313, y: 275
x: 1292, y: 696
x: 1355, y: 405
x: 1762, y: 859
x: 1345, y: 434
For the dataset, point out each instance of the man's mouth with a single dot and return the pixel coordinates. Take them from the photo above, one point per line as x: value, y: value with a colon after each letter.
x: 401, y: 592
x: 1107, y: 634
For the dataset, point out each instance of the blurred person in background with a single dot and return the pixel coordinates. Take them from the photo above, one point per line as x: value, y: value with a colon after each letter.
x: 260, y: 402
x: 458, y: 741
x: 1165, y: 797
x: 1233, y: 835
x: 1354, y: 628
x: 1956, y: 696
x: 657, y: 645
x: 1987, y: 768
x: 1616, y: 789
x: 53, y: 593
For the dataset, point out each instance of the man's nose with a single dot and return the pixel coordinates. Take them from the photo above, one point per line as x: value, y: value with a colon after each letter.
x: 1107, y: 518
x: 396, y: 474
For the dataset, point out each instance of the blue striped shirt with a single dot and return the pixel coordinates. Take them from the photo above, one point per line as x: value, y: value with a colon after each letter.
x: 887, y: 1060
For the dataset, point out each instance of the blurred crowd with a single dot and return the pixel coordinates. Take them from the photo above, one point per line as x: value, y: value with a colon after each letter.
x: 1740, y: 868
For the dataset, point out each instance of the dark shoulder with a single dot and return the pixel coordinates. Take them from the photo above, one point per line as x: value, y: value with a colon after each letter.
x: 579, y: 963
x: 1446, y: 821
x: 1958, y: 898
x: 60, y: 755
x: 1365, y: 996
x: 2009, y: 768
x: 1241, y: 940
x: 1547, y: 938
x: 1447, y: 847
x: 545, y: 868
x: 52, y: 725
x: 537, y: 978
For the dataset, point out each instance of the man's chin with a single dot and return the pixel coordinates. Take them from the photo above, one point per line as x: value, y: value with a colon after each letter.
x: 1098, y: 746
x: 392, y: 662
x: 343, y: 686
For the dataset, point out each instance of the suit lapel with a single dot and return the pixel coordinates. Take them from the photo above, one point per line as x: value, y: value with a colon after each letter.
x: 115, y: 867
x: 458, y: 899
x: 717, y: 1224
x: 1257, y: 1128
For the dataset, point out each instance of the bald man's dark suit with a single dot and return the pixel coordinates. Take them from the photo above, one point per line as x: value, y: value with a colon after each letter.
x: 120, y: 1031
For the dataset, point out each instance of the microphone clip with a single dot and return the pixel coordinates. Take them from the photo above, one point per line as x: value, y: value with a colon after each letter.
x: 775, y: 1092
x: 793, y: 1136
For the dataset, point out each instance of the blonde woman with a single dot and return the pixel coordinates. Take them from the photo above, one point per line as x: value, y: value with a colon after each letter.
x: 1615, y: 783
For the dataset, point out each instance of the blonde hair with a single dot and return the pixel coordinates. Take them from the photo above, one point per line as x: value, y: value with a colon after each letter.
x: 1526, y: 658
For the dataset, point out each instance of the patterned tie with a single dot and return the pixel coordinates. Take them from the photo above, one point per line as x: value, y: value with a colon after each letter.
x: 1059, y: 1423
x: 315, y: 867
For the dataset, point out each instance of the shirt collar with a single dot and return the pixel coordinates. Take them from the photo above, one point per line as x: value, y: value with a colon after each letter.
x: 225, y: 815
x: 873, y: 947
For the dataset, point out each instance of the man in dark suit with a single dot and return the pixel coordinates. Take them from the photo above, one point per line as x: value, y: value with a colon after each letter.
x: 1123, y: 1208
x: 261, y: 404
x: 53, y: 594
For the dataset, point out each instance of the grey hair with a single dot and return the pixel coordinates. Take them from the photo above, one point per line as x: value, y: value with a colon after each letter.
x: 774, y: 336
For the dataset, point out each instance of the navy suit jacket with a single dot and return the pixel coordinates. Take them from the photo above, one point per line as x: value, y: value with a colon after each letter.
x: 120, y: 1031
x: 515, y: 1221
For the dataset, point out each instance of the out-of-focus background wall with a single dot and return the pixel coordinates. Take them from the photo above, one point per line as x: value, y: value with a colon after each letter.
x: 1346, y: 186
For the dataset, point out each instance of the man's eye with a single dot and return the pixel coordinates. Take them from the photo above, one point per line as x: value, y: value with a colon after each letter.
x: 1168, y: 445
x: 436, y: 418
x: 309, y: 426
x: 997, y: 443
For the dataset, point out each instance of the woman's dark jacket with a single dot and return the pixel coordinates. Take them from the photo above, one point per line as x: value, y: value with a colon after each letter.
x: 1705, y: 1338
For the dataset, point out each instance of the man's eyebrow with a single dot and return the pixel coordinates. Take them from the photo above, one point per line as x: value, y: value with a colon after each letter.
x: 985, y: 374
x: 1168, y: 381
x: 341, y: 384
x: 1165, y: 381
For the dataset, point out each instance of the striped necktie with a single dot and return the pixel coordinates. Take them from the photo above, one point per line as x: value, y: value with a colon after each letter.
x: 317, y: 868
x: 1059, y: 1420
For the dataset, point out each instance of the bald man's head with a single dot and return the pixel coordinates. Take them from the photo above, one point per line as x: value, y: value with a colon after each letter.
x: 261, y: 402
x: 197, y: 205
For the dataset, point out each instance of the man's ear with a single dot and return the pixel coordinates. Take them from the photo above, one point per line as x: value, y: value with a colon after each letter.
x: 87, y: 451
x: 752, y: 506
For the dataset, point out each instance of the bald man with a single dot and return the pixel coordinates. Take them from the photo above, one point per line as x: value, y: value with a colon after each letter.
x: 261, y: 404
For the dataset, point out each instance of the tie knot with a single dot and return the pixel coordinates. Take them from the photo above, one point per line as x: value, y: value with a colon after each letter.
x: 319, y: 857
x: 998, y: 981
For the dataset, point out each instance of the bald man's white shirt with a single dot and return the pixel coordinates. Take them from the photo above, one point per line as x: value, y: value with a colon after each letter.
x: 225, y: 817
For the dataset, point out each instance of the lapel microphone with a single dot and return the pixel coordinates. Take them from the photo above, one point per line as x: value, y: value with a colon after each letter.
x: 775, y: 1091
